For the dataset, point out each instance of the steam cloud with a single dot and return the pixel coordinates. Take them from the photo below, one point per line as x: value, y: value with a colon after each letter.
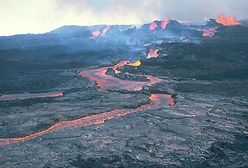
x: 28, y: 16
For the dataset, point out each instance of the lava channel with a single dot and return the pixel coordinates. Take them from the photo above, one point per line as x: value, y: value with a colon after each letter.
x: 105, y: 82
x: 24, y: 96
x: 157, y: 101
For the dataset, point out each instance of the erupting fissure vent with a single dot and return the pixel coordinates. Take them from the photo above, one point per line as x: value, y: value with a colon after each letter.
x: 227, y: 20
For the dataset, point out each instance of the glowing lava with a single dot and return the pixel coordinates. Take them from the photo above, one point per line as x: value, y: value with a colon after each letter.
x: 157, y: 98
x: 105, y: 82
x: 164, y: 23
x: 29, y: 96
x: 99, y: 33
x: 157, y: 101
x: 153, y: 53
x: 153, y: 26
x: 105, y: 30
x: 209, y: 32
x: 135, y: 64
x: 227, y: 20
x: 96, y: 33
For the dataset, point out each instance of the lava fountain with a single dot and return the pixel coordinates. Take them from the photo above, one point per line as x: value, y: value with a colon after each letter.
x: 153, y: 26
x: 164, y: 23
x: 227, y: 20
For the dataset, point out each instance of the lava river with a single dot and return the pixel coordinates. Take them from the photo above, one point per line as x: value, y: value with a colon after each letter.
x: 104, y: 82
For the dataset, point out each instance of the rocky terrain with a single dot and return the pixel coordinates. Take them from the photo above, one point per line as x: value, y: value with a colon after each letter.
x: 185, y: 106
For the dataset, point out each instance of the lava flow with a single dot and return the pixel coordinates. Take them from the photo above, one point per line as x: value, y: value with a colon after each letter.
x: 104, y: 82
x: 135, y: 64
x: 227, y: 20
x: 99, y: 33
x: 157, y: 100
x: 153, y: 53
x: 209, y: 32
x: 29, y: 96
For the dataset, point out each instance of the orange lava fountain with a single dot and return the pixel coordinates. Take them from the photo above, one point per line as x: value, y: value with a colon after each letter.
x: 153, y: 26
x: 227, y: 20
x: 164, y: 23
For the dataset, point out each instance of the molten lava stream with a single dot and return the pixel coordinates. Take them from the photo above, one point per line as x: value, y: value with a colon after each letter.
x: 30, y: 96
x: 108, y: 82
x: 104, y: 82
x: 157, y: 100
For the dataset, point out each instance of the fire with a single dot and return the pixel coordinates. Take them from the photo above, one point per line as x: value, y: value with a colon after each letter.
x: 164, y: 23
x: 99, y: 33
x: 227, y: 20
x: 153, y: 26
x: 135, y: 64
x: 209, y: 32
x: 153, y: 53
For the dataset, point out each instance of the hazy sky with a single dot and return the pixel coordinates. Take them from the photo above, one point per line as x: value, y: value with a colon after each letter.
x: 38, y: 16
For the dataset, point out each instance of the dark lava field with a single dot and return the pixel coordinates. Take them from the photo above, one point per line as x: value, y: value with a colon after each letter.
x: 125, y: 97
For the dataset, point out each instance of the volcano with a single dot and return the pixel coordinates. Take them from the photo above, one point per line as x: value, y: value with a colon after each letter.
x: 165, y: 94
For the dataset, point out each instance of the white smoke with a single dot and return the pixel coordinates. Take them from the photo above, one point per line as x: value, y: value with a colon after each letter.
x: 29, y: 16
